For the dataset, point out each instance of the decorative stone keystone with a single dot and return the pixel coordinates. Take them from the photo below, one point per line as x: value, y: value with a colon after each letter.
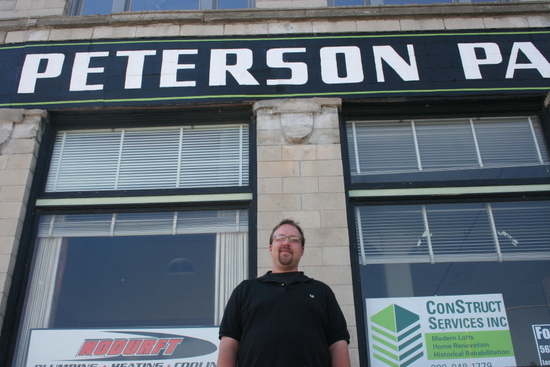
x: 296, y: 116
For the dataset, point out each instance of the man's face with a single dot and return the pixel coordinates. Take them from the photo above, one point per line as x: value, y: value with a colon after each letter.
x: 285, y: 253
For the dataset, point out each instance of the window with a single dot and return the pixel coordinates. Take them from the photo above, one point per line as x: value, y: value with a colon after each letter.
x: 400, y: 2
x: 89, y: 7
x: 446, y: 208
x: 152, y: 158
x: 447, y: 150
x: 140, y: 226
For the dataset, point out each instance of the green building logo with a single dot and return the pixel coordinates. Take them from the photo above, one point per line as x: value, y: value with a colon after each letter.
x: 396, y: 336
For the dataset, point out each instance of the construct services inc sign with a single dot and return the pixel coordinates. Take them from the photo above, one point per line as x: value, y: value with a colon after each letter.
x: 446, y: 330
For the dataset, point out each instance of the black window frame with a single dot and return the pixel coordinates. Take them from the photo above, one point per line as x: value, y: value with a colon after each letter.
x: 458, y: 107
x: 86, y: 119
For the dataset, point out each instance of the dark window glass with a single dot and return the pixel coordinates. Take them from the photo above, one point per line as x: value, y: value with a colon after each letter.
x: 97, y: 7
x: 454, y: 249
x: 142, y: 5
x: 447, y: 150
x: 171, y: 278
x: 232, y: 4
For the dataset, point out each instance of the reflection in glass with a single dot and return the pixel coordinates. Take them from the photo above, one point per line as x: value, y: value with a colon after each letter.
x: 143, y: 269
x: 460, y: 249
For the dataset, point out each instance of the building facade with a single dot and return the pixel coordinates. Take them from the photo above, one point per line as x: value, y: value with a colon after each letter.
x: 148, y: 148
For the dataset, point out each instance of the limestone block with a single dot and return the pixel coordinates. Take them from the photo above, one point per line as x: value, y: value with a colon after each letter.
x: 266, y: 221
x: 373, y: 25
x: 279, y: 202
x: 270, y: 137
x: 245, y: 29
x: 3, y: 162
x: 7, y: 244
x: 6, y: 5
x: 201, y: 30
x: 15, y: 178
x: 290, y: 28
x: 336, y: 256
x: 27, y: 130
x: 20, y: 161
x: 13, y: 193
x: 506, y: 22
x: 313, y: 256
x: 464, y: 23
x: 334, y: 27
x: 321, y: 168
x: 278, y: 169
x: 7, y: 262
x: 11, y: 115
x: 269, y: 153
x: 421, y: 24
x: 270, y: 185
x: 12, y: 209
x: 332, y: 151
x: 38, y: 35
x: 308, y: 220
x: 539, y: 21
x: 331, y: 236
x: 334, y: 218
x: 114, y: 32
x: 71, y: 34
x: 19, y: 146
x: 5, y: 133
x: 16, y: 37
x: 304, y: 152
x: 331, y: 184
x: 162, y: 30
x: 323, y: 201
x: 297, y: 185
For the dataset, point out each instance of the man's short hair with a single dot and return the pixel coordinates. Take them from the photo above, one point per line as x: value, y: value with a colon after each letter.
x: 292, y: 222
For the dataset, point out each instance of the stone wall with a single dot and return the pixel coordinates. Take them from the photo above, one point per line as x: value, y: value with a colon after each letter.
x: 20, y: 133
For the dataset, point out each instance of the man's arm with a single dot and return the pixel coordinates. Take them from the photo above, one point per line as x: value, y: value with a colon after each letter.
x: 339, y: 354
x: 227, y: 353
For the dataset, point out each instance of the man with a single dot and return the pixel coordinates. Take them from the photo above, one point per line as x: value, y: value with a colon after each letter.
x: 284, y: 318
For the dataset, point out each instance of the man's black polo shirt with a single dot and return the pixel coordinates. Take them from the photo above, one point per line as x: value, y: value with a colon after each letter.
x: 283, y: 320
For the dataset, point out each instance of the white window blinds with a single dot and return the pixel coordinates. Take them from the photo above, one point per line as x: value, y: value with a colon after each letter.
x: 150, y: 158
x: 409, y: 146
x: 503, y: 231
x: 143, y: 224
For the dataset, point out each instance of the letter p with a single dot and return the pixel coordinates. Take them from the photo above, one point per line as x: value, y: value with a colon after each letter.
x: 471, y: 63
x: 31, y: 70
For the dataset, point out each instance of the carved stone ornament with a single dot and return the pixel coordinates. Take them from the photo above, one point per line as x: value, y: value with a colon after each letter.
x: 297, y: 127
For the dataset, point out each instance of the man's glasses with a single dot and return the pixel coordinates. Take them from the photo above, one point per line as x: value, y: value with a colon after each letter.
x: 282, y: 238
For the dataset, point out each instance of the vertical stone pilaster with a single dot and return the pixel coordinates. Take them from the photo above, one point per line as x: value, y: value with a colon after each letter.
x: 20, y: 133
x: 300, y: 176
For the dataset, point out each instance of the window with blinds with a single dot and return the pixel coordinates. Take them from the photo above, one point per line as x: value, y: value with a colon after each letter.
x: 150, y: 158
x: 146, y: 269
x: 434, y: 233
x: 447, y: 149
